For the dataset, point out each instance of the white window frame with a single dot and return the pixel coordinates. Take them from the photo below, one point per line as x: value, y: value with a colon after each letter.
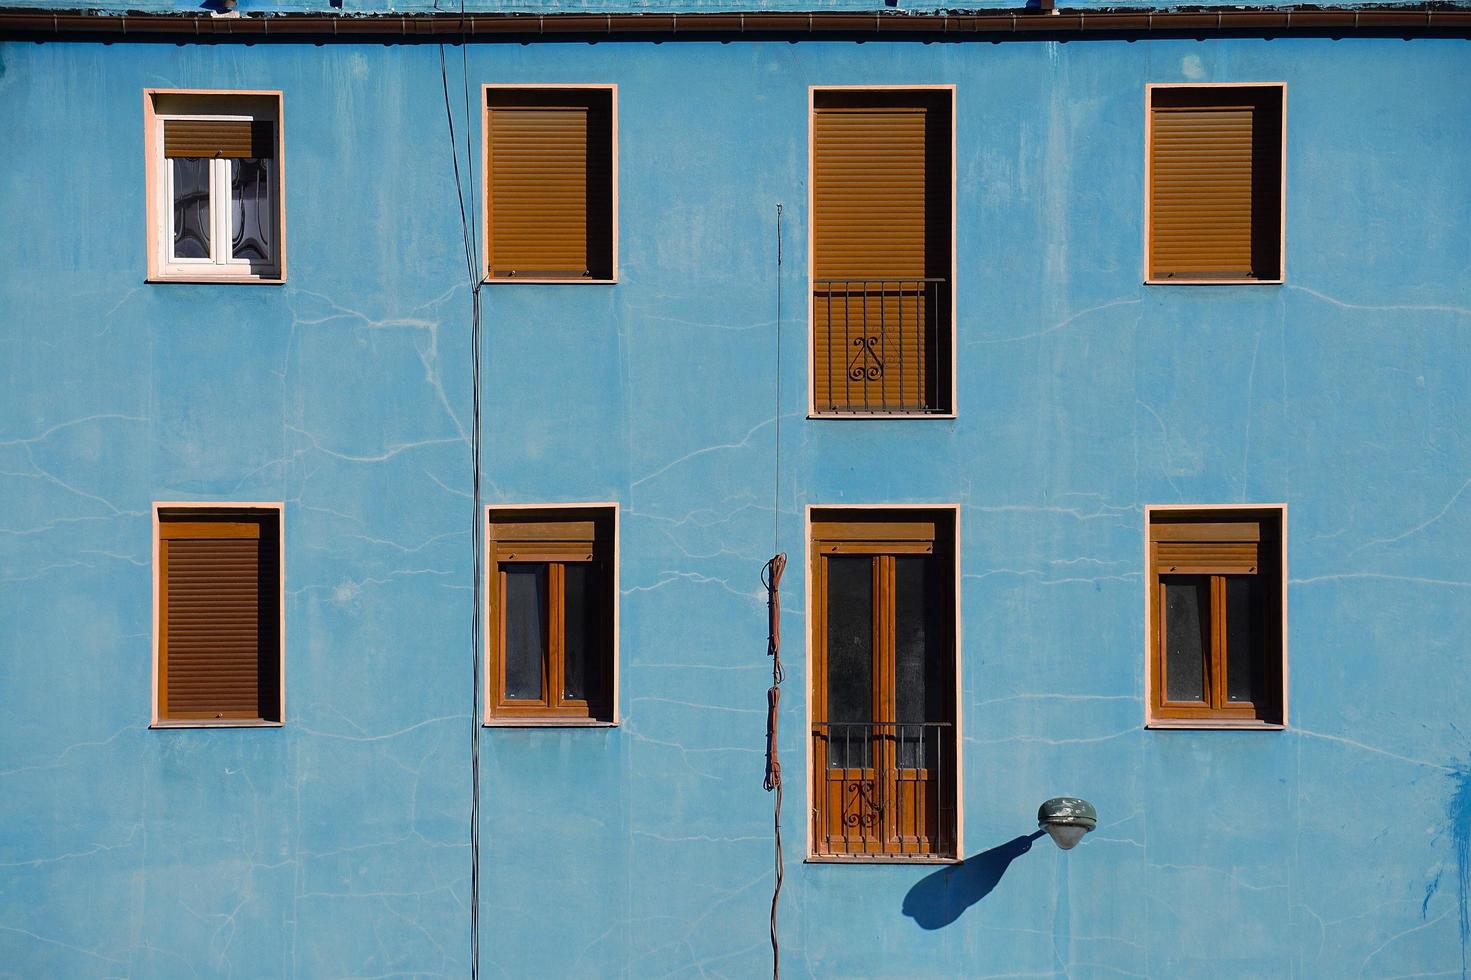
x: 221, y: 266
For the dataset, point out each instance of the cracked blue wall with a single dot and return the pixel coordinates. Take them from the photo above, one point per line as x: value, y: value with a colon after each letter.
x: 337, y: 845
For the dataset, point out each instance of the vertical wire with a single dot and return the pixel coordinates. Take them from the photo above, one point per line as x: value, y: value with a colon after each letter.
x: 472, y: 269
x: 776, y: 469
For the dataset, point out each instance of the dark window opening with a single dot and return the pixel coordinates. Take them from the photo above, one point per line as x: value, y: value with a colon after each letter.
x: 549, y: 177
x: 1215, y: 188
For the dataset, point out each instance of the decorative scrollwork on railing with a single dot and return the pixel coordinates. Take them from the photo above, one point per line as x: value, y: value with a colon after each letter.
x: 866, y: 365
x: 862, y: 809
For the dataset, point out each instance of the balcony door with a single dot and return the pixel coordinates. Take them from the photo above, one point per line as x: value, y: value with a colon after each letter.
x: 881, y: 216
x: 883, y: 736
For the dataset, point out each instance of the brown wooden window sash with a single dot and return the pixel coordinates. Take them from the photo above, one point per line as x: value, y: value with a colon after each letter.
x: 558, y: 556
x: 1224, y: 576
x: 219, y: 608
x: 883, y: 787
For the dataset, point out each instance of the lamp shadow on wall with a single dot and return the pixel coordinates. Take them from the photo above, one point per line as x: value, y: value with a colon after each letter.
x: 939, y: 899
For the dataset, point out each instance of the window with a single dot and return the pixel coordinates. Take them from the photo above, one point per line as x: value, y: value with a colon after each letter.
x: 550, y: 172
x: 883, y: 684
x: 1215, y: 190
x: 551, y: 591
x: 1215, y: 617
x: 214, y: 178
x: 881, y: 251
x: 218, y: 629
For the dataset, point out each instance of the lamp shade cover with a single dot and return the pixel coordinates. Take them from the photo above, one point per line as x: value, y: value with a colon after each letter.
x: 1066, y: 819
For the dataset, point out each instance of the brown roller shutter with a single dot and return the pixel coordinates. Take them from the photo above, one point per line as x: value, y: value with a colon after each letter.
x: 218, y: 138
x: 880, y: 241
x: 869, y: 193
x: 538, y: 191
x: 1215, y: 184
x: 1226, y: 548
x: 219, y: 615
x: 904, y: 529
x: 547, y: 536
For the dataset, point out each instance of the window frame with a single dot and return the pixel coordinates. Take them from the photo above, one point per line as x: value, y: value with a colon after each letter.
x: 540, y: 715
x: 217, y: 509
x: 1146, y: 277
x: 864, y: 513
x: 485, y: 89
x: 812, y: 412
x: 1184, y: 715
x: 162, y: 266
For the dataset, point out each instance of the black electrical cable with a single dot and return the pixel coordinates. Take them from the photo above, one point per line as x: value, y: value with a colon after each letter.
x: 472, y: 269
x: 470, y: 248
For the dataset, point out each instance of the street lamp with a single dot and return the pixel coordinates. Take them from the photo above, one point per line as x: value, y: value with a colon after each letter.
x: 1067, y: 819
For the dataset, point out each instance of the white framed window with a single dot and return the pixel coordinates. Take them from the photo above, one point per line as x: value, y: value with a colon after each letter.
x: 215, y: 187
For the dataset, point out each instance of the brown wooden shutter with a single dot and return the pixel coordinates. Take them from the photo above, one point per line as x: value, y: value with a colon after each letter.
x: 1227, y: 548
x: 908, y: 530
x: 869, y: 193
x: 531, y: 536
x: 218, y: 620
x: 869, y: 239
x: 218, y: 138
x: 1215, y: 184
x: 539, y: 191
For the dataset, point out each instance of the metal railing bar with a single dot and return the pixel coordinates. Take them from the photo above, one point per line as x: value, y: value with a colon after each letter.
x: 847, y: 320
x: 899, y: 304
x: 828, y: 300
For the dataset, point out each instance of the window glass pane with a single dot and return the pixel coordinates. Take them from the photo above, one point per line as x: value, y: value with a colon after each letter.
x: 526, y: 630
x: 1245, y: 641
x: 1187, y: 637
x: 582, y: 665
x: 250, y: 202
x: 917, y: 659
x: 191, y: 207
x: 849, y: 659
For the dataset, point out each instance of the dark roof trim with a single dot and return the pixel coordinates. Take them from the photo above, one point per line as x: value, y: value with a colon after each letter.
x: 1033, y: 23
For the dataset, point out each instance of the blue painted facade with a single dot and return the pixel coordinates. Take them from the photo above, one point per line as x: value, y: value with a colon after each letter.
x: 338, y: 844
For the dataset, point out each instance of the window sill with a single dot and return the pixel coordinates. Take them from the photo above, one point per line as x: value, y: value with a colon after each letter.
x: 548, y: 723
x: 215, y: 723
x: 1213, y: 282
x: 880, y: 859
x: 220, y: 280
x: 1214, y: 724
x: 528, y: 280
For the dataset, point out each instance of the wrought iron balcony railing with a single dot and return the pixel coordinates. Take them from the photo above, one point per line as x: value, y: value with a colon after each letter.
x: 884, y: 789
x: 879, y: 346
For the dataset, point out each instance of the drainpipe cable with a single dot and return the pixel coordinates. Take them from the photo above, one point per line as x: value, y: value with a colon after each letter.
x: 771, y: 577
